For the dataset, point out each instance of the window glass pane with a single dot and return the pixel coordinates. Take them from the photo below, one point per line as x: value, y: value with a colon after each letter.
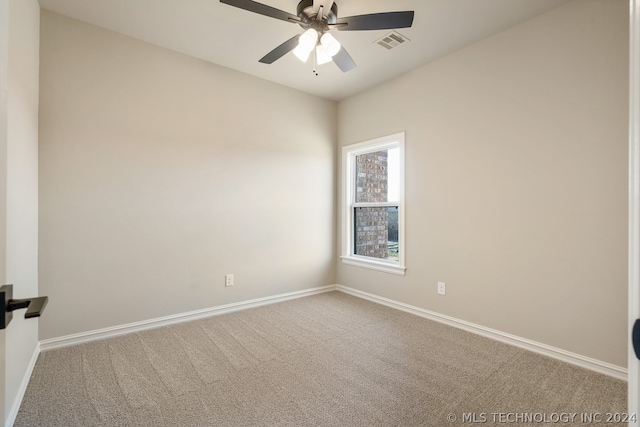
x: 376, y: 232
x: 378, y: 176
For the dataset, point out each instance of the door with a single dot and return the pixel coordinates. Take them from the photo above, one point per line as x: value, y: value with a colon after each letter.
x: 19, y: 82
x: 634, y: 200
x: 4, y: 83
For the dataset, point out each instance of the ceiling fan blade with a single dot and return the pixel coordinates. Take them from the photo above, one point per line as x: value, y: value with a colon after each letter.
x: 329, y: 4
x: 281, y: 50
x: 344, y: 61
x: 262, y: 9
x: 376, y: 21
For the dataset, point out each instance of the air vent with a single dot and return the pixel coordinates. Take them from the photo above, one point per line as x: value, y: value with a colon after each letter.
x: 391, y: 40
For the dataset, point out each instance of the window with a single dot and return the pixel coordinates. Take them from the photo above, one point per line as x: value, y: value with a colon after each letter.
x: 373, y: 211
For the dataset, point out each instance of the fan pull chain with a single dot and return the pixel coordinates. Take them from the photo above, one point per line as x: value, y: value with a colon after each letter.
x: 315, y: 63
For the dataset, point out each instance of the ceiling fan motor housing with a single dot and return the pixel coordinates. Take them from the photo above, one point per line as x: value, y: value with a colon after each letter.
x: 309, y: 16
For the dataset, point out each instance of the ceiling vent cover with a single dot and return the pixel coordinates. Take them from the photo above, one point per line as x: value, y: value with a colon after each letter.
x: 391, y: 40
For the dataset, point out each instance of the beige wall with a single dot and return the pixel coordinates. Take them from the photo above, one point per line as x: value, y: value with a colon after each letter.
x: 19, y: 164
x: 160, y: 173
x: 516, y: 180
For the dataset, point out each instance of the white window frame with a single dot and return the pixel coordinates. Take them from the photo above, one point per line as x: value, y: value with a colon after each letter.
x: 349, y: 154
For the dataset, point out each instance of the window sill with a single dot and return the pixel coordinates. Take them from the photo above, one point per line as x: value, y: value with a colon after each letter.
x: 385, y: 267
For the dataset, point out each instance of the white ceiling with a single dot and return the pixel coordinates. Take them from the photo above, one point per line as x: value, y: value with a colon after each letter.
x: 235, y: 38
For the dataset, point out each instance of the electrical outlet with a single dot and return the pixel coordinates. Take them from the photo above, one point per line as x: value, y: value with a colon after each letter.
x: 442, y: 288
x: 228, y: 279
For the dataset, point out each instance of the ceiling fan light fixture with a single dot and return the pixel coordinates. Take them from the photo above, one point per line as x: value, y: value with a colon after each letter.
x: 306, y: 43
x: 308, y: 40
x: 322, y: 56
x: 330, y: 44
x: 302, y: 53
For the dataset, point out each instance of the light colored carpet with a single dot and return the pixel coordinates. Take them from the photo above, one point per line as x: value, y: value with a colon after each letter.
x: 325, y: 360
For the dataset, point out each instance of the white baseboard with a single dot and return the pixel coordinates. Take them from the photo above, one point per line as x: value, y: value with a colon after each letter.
x: 99, y: 334
x: 13, y: 413
x: 544, y: 349
x: 547, y: 350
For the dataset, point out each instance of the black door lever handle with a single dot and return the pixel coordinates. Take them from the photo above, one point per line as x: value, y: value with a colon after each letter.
x: 34, y: 306
x: 635, y: 338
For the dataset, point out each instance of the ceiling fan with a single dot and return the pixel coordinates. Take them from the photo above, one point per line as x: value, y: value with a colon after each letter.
x: 318, y: 17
